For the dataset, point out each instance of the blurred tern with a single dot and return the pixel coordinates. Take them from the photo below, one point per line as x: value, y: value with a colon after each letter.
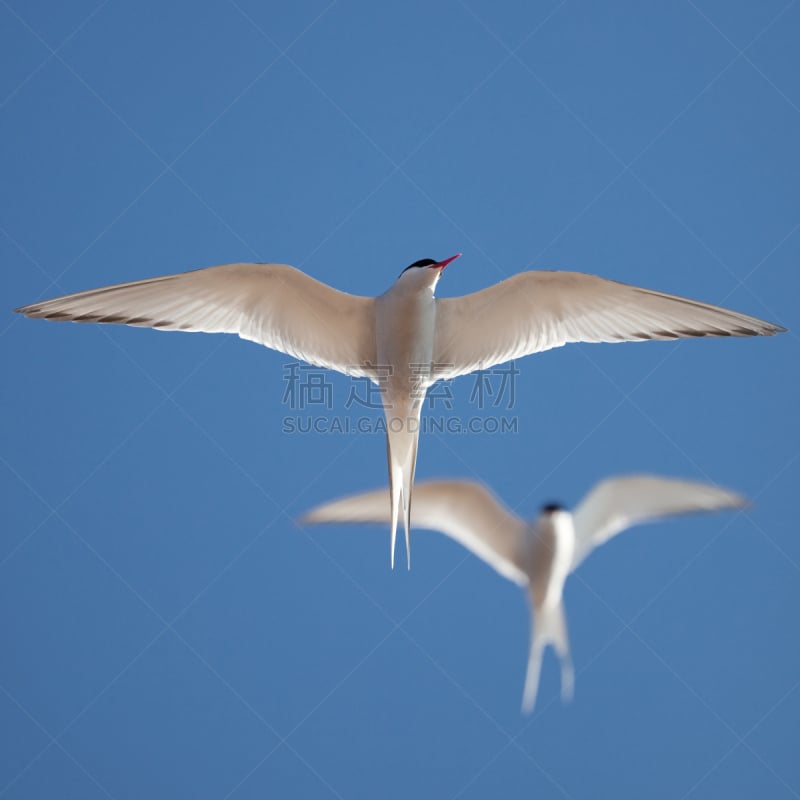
x: 405, y: 339
x: 537, y: 555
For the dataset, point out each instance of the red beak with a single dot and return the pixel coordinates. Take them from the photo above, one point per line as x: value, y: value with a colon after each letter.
x: 443, y: 264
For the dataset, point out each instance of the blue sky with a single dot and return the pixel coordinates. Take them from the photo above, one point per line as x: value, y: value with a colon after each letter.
x: 167, y: 630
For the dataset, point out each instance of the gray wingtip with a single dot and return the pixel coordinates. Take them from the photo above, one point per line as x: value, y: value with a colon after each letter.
x: 32, y: 310
x: 741, y: 502
x: 728, y: 501
x: 728, y: 498
x: 310, y: 518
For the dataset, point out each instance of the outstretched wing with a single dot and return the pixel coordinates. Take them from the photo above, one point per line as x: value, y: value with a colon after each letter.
x: 619, y: 503
x: 273, y: 304
x: 463, y: 510
x: 536, y: 311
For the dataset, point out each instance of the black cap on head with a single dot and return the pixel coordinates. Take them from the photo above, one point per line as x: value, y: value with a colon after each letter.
x: 551, y: 508
x: 423, y: 262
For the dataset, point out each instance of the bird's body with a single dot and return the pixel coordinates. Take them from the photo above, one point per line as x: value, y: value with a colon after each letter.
x: 405, y: 324
x: 541, y: 554
x: 405, y: 339
x: 550, y: 544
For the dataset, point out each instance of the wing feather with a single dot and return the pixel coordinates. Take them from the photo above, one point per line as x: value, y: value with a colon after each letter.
x: 275, y: 305
x: 463, y: 510
x: 535, y: 311
x: 619, y: 503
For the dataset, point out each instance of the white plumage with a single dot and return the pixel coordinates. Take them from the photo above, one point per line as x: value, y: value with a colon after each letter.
x: 538, y: 555
x: 406, y: 339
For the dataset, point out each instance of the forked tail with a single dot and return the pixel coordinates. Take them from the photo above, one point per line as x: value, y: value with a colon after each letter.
x: 402, y: 435
x: 549, y: 626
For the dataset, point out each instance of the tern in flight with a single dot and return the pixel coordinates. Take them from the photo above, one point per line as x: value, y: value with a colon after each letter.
x: 536, y: 555
x: 406, y: 339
